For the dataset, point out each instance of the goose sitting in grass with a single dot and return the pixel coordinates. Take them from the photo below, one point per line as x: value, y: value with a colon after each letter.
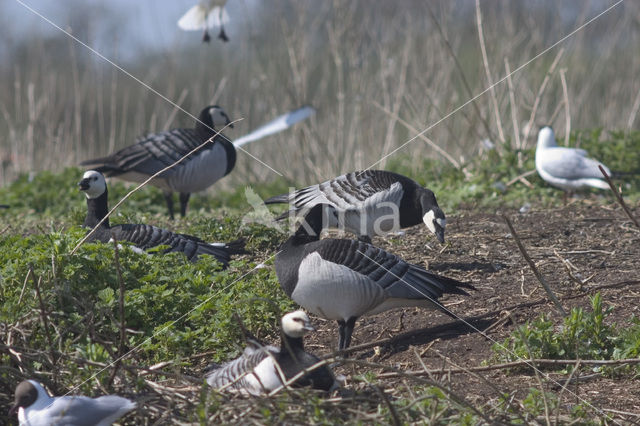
x: 261, y: 369
x: 342, y: 280
x: 370, y: 202
x: 36, y: 408
x: 144, y: 237
x: 567, y: 168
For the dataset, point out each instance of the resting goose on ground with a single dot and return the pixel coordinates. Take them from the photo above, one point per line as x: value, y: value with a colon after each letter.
x: 342, y: 280
x: 566, y: 168
x: 36, y: 408
x: 154, y: 152
x: 255, y: 373
x: 145, y: 237
x: 369, y: 202
x: 205, y: 16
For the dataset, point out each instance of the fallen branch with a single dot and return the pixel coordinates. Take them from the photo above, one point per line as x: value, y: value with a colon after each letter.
x: 619, y: 197
x: 533, y: 267
x: 515, y: 364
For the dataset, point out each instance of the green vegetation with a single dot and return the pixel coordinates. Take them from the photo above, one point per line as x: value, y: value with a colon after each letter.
x: 175, y: 310
x: 582, y: 335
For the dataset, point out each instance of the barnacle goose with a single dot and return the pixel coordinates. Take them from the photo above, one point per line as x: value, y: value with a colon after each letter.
x: 156, y: 151
x: 340, y: 279
x: 255, y: 372
x: 206, y: 15
x: 566, y: 168
x: 146, y: 236
x: 36, y: 408
x: 370, y: 202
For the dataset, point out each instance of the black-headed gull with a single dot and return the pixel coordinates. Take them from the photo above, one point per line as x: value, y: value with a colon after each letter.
x: 35, y: 407
x: 205, y: 16
x: 566, y: 168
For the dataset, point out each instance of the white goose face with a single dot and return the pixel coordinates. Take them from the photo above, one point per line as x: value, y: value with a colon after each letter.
x: 435, y: 224
x: 93, y: 184
x: 296, y: 324
x: 546, y: 138
x: 219, y: 118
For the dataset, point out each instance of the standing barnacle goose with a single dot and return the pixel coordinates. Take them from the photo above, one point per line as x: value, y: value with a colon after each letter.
x: 154, y: 152
x: 146, y: 236
x: 370, y: 202
x: 36, y: 408
x: 566, y: 168
x: 341, y: 279
x: 206, y: 15
x: 255, y: 372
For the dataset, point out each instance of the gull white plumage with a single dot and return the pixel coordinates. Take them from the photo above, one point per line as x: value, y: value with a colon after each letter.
x: 145, y: 237
x: 370, y: 202
x: 262, y: 368
x: 35, y: 407
x: 204, y: 16
x: 567, y: 168
x: 342, y: 280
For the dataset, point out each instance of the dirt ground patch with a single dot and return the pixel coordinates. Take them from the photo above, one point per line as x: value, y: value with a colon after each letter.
x: 597, y: 243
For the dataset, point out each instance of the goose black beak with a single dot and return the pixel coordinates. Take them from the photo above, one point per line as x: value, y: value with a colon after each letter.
x: 13, y: 410
x: 440, y: 234
x: 84, y: 184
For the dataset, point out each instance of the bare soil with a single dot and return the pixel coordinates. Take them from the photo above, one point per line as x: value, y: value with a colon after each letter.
x: 598, y: 244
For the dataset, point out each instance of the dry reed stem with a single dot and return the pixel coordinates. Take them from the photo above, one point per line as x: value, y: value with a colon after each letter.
x: 513, y: 106
x: 43, y: 313
x: 533, y: 267
x: 541, y: 90
x: 567, y: 110
x: 465, y: 83
x: 634, y: 111
x: 487, y: 71
x: 431, y: 143
x: 619, y: 197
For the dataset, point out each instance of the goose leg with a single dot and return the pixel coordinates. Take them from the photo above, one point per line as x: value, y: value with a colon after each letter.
x: 345, y: 329
x: 168, y: 196
x: 184, y: 200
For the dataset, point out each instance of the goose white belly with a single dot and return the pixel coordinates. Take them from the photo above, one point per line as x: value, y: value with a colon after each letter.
x: 200, y: 171
x: 264, y: 377
x: 372, y: 219
x: 333, y: 291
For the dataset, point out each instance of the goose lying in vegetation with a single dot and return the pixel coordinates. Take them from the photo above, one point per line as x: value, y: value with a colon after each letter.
x: 144, y: 237
x: 261, y: 368
x: 342, y: 280
x: 370, y: 202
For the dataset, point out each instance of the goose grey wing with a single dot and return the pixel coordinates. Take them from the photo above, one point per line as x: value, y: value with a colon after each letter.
x: 568, y: 163
x: 84, y: 411
x: 150, y: 154
x: 148, y: 236
x: 238, y: 369
x: 398, y: 278
x: 347, y: 191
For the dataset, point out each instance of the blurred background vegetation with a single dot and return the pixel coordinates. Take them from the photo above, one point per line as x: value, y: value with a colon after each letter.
x: 378, y: 73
